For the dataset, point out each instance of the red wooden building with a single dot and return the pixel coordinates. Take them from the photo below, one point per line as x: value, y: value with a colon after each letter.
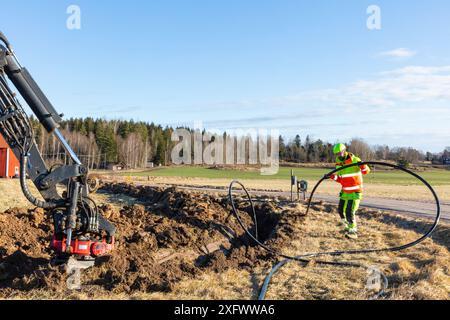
x: 9, y: 165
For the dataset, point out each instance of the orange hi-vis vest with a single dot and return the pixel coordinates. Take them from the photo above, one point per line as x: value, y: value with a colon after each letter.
x: 351, y: 178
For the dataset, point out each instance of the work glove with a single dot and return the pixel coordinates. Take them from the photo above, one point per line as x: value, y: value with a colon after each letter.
x: 329, y: 176
x: 332, y: 176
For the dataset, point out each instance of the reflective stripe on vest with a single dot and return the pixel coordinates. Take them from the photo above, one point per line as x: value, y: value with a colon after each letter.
x: 352, y: 188
x: 350, y: 175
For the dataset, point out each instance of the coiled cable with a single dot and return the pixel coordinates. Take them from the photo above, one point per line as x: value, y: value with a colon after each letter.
x: 305, y: 257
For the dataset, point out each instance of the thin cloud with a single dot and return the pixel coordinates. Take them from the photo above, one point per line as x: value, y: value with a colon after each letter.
x: 399, y: 53
x: 112, y: 110
x: 388, y: 89
x: 400, y: 106
x: 385, y: 89
x: 417, y: 70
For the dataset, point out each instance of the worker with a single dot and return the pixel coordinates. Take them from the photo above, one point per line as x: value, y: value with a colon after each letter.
x: 352, y: 188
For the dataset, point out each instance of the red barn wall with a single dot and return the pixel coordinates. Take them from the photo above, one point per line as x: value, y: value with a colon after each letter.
x: 9, y: 164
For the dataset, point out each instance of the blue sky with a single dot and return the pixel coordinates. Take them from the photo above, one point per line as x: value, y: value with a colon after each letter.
x: 307, y: 67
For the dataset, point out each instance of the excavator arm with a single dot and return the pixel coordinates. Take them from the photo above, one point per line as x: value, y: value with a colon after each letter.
x: 80, y: 230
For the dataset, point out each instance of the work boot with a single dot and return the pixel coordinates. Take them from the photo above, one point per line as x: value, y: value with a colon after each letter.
x: 351, y: 235
x: 351, y: 231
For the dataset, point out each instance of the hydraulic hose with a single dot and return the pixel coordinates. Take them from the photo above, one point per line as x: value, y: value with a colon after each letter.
x: 255, y: 238
x: 304, y: 257
x: 26, y: 191
x: 399, y: 248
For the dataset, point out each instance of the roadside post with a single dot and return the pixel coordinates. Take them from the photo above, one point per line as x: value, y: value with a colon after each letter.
x: 293, y: 183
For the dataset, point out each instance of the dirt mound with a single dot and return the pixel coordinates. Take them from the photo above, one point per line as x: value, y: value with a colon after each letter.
x: 24, y: 254
x: 174, y: 235
x: 179, y: 234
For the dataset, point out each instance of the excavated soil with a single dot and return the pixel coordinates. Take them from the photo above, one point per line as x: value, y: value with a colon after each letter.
x: 172, y: 235
x: 167, y: 237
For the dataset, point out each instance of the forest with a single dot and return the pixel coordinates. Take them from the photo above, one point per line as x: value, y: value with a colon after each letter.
x: 100, y: 142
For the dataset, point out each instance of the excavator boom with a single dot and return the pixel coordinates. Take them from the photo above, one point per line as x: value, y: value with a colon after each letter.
x: 80, y: 229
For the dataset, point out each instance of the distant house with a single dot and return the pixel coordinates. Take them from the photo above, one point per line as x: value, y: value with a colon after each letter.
x: 9, y: 165
x: 446, y: 161
x: 115, y: 167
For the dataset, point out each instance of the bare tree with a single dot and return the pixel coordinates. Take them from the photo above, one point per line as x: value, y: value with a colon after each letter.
x: 382, y: 152
x: 360, y: 148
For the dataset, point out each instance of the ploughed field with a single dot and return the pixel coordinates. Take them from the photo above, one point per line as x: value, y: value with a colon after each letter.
x: 175, y: 244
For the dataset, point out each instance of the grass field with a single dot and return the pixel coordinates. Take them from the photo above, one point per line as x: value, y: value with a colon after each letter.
x: 393, y: 177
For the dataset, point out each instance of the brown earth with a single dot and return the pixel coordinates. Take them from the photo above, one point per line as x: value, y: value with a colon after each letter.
x: 174, y: 235
x: 174, y: 244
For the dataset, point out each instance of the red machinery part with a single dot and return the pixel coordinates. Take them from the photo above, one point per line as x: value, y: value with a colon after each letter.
x: 84, y: 248
x: 99, y: 249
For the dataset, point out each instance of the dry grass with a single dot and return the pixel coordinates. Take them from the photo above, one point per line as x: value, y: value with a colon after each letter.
x: 11, y: 195
x: 422, y: 272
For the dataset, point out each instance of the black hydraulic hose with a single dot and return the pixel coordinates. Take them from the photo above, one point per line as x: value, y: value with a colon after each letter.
x: 259, y: 243
x: 399, y: 248
x: 282, y: 263
x: 269, y: 277
x: 252, y: 206
x: 302, y: 258
x: 26, y: 191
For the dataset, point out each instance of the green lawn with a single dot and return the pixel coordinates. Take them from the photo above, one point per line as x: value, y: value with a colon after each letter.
x: 438, y: 177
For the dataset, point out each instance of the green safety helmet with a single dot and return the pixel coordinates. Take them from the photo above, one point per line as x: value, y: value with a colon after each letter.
x: 339, y: 148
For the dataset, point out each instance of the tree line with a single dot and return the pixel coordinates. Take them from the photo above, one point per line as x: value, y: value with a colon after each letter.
x: 100, y: 142
x: 309, y: 151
